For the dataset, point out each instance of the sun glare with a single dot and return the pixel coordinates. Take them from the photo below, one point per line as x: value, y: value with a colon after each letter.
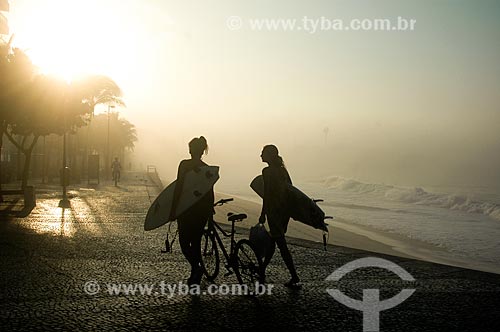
x: 69, y: 38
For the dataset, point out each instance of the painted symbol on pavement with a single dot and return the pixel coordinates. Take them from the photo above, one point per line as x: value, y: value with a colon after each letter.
x: 371, y: 304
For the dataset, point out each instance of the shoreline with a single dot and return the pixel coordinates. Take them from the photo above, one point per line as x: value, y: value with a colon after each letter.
x: 346, y: 234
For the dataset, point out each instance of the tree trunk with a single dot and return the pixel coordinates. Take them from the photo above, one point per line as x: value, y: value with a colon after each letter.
x: 19, y: 164
x: 1, y: 146
x: 26, y: 170
x: 27, y: 161
x: 44, y: 159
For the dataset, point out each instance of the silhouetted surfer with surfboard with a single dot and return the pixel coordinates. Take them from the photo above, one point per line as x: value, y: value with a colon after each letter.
x: 276, y: 206
x: 192, y: 222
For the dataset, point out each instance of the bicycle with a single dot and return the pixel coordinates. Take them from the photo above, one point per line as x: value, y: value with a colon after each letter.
x: 241, y: 260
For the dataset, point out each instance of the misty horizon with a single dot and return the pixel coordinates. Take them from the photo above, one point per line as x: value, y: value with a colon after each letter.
x: 412, y: 108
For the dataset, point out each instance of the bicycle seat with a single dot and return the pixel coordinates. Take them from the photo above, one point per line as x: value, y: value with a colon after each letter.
x: 237, y: 217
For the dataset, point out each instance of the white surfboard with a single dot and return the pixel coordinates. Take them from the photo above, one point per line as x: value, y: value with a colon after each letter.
x: 196, y: 184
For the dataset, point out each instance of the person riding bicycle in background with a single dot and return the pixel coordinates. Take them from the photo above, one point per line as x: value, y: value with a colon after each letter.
x: 275, y: 207
x: 115, y: 169
x: 192, y: 222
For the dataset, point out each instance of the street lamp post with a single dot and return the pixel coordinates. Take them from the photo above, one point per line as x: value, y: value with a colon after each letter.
x: 64, y: 202
x: 107, y: 146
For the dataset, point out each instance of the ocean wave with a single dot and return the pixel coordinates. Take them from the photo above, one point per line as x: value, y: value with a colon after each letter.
x: 417, y: 196
x: 354, y: 185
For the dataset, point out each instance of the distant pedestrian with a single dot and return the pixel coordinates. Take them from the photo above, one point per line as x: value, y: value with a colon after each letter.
x: 116, y: 170
x: 275, y: 207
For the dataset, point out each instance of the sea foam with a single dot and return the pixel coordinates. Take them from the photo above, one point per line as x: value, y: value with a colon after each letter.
x: 416, y: 195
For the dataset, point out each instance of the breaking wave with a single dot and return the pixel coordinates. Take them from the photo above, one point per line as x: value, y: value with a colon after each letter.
x: 416, y: 195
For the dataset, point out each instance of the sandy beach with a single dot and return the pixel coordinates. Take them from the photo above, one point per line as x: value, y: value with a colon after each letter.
x: 346, y: 234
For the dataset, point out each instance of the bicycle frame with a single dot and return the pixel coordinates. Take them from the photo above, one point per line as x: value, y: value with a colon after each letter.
x: 241, y: 258
x: 213, y: 226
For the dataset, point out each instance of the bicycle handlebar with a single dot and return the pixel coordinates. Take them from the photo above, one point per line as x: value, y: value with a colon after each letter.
x: 223, y: 201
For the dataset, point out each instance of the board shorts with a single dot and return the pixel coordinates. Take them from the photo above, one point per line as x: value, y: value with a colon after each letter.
x: 195, y: 218
x: 278, y: 224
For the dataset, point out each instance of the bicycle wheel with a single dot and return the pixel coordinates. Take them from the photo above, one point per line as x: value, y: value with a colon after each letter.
x: 209, y: 255
x: 248, y: 266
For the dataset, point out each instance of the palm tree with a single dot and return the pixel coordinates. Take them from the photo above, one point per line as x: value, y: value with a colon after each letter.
x: 125, y: 136
x: 123, y: 132
x: 97, y: 90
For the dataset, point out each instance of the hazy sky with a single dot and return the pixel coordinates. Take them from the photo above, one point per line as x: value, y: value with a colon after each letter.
x: 417, y: 108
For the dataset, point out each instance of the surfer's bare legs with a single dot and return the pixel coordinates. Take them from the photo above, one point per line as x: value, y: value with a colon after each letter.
x: 187, y: 249
x: 190, y: 233
x: 287, y: 258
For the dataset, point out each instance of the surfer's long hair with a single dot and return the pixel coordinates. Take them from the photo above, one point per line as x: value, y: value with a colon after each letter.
x: 275, y: 158
x: 198, y: 146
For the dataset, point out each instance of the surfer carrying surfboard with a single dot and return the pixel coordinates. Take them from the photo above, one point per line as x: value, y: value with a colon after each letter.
x: 276, y: 208
x: 192, y: 222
